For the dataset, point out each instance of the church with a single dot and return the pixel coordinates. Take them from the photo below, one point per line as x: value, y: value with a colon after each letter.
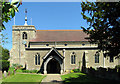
x: 55, y: 51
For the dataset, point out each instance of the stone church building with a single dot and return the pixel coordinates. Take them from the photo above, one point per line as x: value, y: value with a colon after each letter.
x: 55, y: 51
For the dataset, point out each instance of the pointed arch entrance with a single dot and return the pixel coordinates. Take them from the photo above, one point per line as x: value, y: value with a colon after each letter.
x: 53, y: 62
x: 53, y: 66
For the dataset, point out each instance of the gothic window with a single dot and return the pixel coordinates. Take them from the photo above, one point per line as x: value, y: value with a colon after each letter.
x: 24, y: 35
x: 73, y: 58
x: 37, y: 59
x: 111, y: 59
x: 96, y: 57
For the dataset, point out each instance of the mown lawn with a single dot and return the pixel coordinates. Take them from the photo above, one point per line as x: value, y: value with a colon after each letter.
x: 23, y: 79
x: 82, y: 78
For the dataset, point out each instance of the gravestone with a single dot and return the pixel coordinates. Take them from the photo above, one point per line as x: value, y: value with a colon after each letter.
x: 0, y: 74
x: 5, y: 74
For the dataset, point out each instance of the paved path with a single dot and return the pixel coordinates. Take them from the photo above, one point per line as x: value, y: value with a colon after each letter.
x: 52, y: 79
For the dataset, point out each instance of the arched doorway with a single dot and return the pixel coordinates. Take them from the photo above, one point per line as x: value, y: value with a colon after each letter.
x: 53, y: 66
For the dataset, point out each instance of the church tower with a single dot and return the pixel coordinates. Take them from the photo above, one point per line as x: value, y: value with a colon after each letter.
x: 21, y: 34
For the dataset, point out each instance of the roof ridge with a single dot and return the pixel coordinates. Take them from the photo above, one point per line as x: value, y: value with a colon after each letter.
x: 59, y: 30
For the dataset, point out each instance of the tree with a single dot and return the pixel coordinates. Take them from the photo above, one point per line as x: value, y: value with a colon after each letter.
x: 4, y: 63
x: 8, y: 10
x: 103, y: 19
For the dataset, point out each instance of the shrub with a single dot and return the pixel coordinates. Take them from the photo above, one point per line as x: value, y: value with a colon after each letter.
x: 76, y: 70
x: 5, y: 65
x: 29, y: 71
x: 117, y: 66
x: 71, y: 71
x: 17, y: 66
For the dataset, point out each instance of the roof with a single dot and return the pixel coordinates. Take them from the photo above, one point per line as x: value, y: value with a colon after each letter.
x: 59, y: 35
x: 53, y: 49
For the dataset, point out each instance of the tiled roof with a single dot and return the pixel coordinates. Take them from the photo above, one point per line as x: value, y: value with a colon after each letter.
x: 59, y: 35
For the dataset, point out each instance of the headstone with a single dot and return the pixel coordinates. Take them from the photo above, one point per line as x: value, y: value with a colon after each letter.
x: 0, y: 74
x: 5, y: 74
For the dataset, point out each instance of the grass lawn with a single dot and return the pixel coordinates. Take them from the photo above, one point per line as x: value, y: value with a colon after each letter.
x: 24, y: 78
x: 82, y: 78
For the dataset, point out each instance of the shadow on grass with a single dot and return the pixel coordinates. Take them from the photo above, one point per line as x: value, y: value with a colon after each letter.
x: 85, y: 79
x: 20, y: 83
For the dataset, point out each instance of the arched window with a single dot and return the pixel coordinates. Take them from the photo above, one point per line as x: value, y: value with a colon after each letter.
x: 73, y: 58
x: 24, y: 35
x: 37, y: 59
x: 97, y: 57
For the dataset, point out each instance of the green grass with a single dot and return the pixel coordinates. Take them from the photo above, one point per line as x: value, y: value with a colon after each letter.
x: 24, y: 78
x: 82, y: 78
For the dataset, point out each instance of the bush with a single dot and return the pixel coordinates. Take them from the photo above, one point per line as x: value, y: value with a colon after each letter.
x: 5, y: 65
x: 29, y: 71
x: 117, y: 66
x: 16, y: 65
x: 71, y: 71
x: 76, y: 70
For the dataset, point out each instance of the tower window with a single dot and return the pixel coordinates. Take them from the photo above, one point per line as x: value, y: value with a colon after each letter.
x: 37, y: 59
x: 97, y: 57
x: 24, y: 35
x: 73, y: 58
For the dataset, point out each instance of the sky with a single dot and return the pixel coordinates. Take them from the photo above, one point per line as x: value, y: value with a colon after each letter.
x: 47, y: 16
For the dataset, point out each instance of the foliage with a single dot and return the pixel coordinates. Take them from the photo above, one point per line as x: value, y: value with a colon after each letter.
x: 5, y: 65
x: 103, y: 19
x: 8, y: 11
x: 71, y: 71
x: 5, y: 54
x: 29, y: 71
x: 16, y: 65
x: 76, y: 70
x: 117, y: 67
x: 4, y: 39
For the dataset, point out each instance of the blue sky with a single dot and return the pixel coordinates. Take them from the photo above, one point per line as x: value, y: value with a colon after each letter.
x: 47, y: 16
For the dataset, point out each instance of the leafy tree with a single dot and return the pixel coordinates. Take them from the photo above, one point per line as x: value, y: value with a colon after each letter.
x: 8, y: 10
x: 4, y: 63
x: 5, y: 54
x: 103, y: 19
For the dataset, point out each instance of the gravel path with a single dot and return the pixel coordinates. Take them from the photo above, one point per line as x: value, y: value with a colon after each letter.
x: 52, y: 79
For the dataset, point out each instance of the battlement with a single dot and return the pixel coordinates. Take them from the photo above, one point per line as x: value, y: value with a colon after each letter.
x: 23, y: 27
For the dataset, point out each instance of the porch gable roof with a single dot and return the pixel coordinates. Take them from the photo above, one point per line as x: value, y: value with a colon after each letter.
x: 53, y: 49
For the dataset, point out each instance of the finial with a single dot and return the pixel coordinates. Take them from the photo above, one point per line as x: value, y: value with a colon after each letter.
x: 25, y: 17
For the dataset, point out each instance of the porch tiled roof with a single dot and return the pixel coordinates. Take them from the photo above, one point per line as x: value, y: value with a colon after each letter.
x: 59, y: 35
